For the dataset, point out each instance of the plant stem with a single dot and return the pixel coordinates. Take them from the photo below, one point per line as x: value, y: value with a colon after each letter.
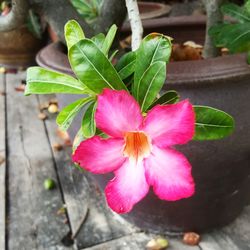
x: 214, y: 16
x: 135, y: 23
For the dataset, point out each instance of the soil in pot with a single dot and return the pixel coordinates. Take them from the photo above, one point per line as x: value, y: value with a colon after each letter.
x: 220, y: 168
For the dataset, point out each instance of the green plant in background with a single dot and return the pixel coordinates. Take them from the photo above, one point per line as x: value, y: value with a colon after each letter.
x: 142, y: 73
x: 33, y: 21
x: 88, y: 9
x: 34, y: 24
x: 234, y: 35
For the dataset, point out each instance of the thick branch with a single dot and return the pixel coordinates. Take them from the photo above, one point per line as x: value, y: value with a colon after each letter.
x: 16, y: 17
x: 135, y: 23
x: 112, y: 11
x: 57, y: 13
x: 214, y: 16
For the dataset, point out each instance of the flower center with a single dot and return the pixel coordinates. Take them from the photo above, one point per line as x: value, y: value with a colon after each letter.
x: 137, y: 145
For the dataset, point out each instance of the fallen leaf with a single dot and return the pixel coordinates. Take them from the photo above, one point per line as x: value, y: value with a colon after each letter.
x: 64, y: 136
x: 159, y: 243
x: 2, y: 159
x: 43, y: 106
x: 62, y: 210
x: 42, y: 116
x: 20, y: 88
x: 57, y: 147
x: 53, y: 101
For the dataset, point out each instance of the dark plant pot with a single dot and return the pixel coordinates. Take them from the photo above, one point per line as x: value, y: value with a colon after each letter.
x: 221, y: 169
x: 152, y: 10
x: 18, y: 48
x: 181, y: 28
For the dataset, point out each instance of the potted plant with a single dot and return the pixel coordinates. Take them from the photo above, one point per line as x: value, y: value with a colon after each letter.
x: 218, y: 166
x: 141, y: 74
x: 19, y: 46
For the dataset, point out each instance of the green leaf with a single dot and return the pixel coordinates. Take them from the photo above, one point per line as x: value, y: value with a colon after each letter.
x: 98, y: 40
x: 236, y: 12
x: 101, y: 134
x: 88, y: 121
x: 67, y: 115
x: 113, y: 55
x: 212, y: 124
x: 109, y: 39
x: 44, y: 81
x: 169, y: 97
x: 77, y: 140
x: 154, y: 48
x: 151, y: 83
x: 235, y: 37
x: 89, y: 10
x: 126, y: 65
x: 93, y: 68
x: 73, y: 33
x: 34, y: 24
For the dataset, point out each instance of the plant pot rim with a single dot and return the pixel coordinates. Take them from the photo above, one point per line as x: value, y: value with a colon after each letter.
x: 156, y: 9
x: 197, y: 20
x: 200, y: 72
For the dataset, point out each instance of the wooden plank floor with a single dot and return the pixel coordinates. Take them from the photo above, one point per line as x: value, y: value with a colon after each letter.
x: 74, y: 214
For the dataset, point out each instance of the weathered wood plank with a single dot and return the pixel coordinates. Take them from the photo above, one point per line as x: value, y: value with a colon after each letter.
x: 33, y: 222
x: 82, y: 195
x: 217, y: 240
x: 239, y: 230
x: 135, y: 241
x: 2, y: 162
x: 139, y: 241
x: 235, y: 236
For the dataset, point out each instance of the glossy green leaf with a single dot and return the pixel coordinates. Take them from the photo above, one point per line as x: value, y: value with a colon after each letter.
x: 212, y: 124
x: 236, y: 12
x: 109, y: 39
x: 151, y: 84
x: 88, y: 121
x: 34, y: 24
x: 101, y: 134
x: 169, y: 97
x: 93, y: 68
x: 235, y: 37
x: 98, y: 40
x: 154, y: 48
x: 66, y: 116
x: 126, y: 65
x: 89, y: 10
x: 73, y: 33
x: 44, y: 81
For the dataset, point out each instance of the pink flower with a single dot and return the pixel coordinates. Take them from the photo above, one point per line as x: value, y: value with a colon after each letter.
x: 139, y: 150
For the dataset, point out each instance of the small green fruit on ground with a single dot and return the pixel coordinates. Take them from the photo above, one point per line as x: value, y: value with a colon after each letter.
x: 49, y: 184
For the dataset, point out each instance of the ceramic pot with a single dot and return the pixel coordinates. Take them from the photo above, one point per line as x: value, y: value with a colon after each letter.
x: 221, y: 169
x: 18, y: 48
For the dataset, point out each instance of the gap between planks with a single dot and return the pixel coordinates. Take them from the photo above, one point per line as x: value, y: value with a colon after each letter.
x: 3, y: 164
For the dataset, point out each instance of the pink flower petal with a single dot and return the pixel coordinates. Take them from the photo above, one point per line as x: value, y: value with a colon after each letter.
x: 127, y: 188
x: 169, y: 172
x: 170, y: 124
x: 117, y: 112
x: 99, y: 155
